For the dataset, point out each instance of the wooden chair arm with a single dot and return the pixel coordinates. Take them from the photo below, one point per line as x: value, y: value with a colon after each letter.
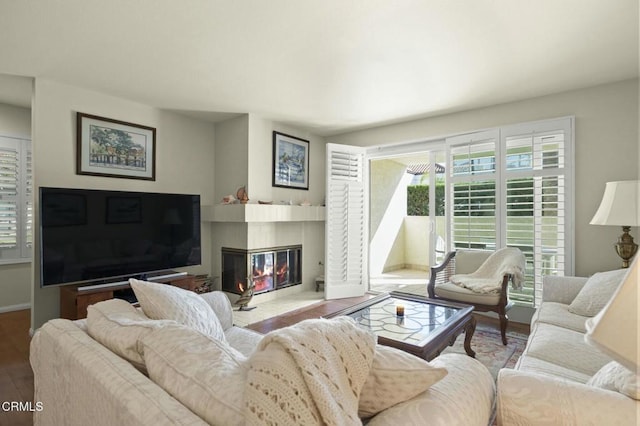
x: 441, y: 273
x: 448, y: 257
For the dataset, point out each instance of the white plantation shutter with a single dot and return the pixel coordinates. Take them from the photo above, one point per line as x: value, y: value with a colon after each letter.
x: 472, y: 190
x: 16, y: 202
x: 27, y: 201
x: 537, y: 180
x: 474, y: 214
x: 512, y: 186
x: 346, y: 236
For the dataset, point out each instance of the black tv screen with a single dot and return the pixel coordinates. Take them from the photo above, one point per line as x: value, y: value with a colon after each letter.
x: 96, y: 236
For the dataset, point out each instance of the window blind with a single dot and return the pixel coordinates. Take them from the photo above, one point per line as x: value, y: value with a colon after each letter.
x: 16, y: 199
x: 511, y: 186
x: 536, y: 206
x: 472, y: 191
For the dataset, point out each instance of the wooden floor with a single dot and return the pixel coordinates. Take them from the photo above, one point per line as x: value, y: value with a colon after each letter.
x: 16, y: 377
x: 325, y: 308
x: 316, y: 310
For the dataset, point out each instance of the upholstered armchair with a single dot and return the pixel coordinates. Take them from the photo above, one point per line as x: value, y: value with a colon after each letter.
x: 468, y: 262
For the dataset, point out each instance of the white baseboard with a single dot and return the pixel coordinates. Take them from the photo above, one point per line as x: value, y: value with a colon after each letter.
x: 12, y: 308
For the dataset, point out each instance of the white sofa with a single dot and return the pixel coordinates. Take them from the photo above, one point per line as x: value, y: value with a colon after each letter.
x: 81, y: 382
x: 550, y: 383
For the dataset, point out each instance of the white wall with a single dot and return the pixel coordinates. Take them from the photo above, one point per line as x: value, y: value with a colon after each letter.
x: 261, y: 167
x: 15, y: 121
x: 184, y: 158
x: 15, y: 279
x: 606, y: 135
x: 387, y: 211
x: 232, y: 150
x: 416, y: 242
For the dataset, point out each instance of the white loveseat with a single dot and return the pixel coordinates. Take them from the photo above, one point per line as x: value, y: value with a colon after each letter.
x: 81, y: 382
x: 552, y: 381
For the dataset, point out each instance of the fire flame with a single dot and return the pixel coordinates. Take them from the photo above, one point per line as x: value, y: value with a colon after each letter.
x: 282, y: 269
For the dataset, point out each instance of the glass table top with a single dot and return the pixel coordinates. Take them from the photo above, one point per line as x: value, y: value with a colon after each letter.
x: 420, y: 320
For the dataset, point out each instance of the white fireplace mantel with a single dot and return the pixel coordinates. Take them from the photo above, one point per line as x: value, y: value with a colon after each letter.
x: 247, y: 213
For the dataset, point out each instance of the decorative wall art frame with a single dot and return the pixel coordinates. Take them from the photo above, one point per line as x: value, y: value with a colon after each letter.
x: 114, y: 148
x: 290, y: 161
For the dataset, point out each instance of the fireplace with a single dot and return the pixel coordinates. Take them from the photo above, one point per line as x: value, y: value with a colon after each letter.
x: 270, y: 268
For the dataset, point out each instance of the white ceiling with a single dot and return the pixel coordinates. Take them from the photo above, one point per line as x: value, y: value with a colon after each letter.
x: 327, y: 65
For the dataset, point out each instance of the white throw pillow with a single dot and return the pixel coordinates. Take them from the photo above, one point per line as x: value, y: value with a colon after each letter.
x: 163, y: 301
x: 395, y: 376
x: 118, y: 326
x: 206, y: 375
x: 617, y: 378
x: 596, y: 292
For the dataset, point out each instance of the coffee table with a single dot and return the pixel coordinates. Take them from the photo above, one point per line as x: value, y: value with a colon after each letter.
x: 426, y: 329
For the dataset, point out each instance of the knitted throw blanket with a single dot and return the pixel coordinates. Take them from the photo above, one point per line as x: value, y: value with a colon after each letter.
x: 310, y: 373
x: 487, y: 279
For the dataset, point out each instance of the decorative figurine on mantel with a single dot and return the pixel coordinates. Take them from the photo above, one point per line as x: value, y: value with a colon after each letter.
x: 246, y: 297
x: 242, y: 195
x: 228, y: 199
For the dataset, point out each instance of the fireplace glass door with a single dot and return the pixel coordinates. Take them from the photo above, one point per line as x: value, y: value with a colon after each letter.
x: 269, y: 269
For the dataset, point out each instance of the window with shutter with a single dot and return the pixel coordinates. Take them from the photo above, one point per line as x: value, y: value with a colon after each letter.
x: 472, y: 189
x: 511, y: 187
x: 16, y: 202
x: 346, y: 240
x: 536, y: 205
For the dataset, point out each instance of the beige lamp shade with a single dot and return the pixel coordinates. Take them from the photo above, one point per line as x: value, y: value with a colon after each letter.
x: 619, y: 205
x: 615, y: 329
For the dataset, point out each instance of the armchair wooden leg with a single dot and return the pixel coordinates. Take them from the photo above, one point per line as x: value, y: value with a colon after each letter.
x: 504, y: 320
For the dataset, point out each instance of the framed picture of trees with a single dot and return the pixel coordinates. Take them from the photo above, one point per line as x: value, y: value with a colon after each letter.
x: 290, y: 161
x: 115, y: 148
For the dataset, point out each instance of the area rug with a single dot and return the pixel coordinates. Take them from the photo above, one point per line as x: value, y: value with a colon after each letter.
x: 490, y: 351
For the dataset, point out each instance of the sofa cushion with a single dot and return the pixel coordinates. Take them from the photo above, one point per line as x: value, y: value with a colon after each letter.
x: 532, y: 399
x: 162, y: 301
x: 242, y: 339
x: 617, y: 378
x: 205, y: 374
x: 117, y: 325
x: 464, y: 397
x: 536, y: 365
x: 395, y: 376
x: 596, y: 292
x: 565, y: 348
x: 558, y: 314
x: 221, y: 305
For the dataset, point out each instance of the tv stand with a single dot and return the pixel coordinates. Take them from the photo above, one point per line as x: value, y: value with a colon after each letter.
x: 158, y: 277
x: 74, y: 299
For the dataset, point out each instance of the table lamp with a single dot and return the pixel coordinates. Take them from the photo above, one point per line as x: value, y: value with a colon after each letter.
x: 619, y: 206
x: 615, y: 329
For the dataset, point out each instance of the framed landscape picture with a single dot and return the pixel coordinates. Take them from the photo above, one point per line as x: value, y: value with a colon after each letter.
x: 290, y: 161
x: 114, y: 148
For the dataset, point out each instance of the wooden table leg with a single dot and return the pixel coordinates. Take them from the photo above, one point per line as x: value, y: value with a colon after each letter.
x: 469, y: 329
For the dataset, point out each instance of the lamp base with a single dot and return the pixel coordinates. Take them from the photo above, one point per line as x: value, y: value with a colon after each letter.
x: 625, y: 247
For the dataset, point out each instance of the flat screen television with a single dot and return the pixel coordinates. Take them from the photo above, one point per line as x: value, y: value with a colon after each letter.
x: 94, y: 236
